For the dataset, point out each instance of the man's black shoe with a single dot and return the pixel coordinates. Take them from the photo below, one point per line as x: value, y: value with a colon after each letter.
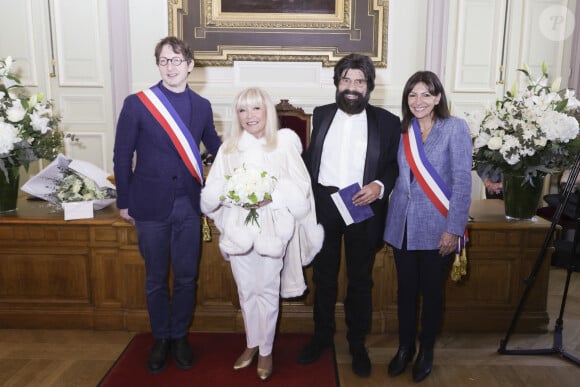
x: 182, y: 353
x: 157, y: 360
x: 423, y: 365
x: 399, y: 363
x: 312, y: 351
x: 361, y: 364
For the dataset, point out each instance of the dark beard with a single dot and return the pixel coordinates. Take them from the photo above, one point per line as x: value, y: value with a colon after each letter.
x: 352, y: 106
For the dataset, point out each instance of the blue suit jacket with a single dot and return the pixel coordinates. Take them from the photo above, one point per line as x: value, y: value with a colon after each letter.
x: 148, y: 190
x: 448, y: 149
x: 380, y: 162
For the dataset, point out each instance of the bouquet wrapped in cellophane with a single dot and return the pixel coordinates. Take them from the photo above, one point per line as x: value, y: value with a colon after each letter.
x: 74, y: 185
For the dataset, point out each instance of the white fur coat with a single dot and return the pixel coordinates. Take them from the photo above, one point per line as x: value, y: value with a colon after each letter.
x: 287, y: 226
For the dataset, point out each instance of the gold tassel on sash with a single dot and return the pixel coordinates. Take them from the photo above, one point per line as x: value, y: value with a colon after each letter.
x: 459, y: 268
x: 463, y: 262
x: 205, y: 229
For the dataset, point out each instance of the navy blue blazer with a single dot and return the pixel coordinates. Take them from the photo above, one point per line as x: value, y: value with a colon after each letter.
x: 381, y: 158
x: 148, y: 189
x: 448, y: 149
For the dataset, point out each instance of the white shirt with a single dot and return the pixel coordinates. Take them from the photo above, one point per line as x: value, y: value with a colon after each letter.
x: 344, y: 150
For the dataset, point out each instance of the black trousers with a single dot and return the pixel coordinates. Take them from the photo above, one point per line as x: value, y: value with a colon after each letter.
x: 420, y: 273
x: 359, y: 252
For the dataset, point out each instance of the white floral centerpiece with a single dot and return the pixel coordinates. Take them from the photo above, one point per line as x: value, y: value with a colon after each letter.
x: 532, y: 132
x: 247, y: 187
x: 28, y: 125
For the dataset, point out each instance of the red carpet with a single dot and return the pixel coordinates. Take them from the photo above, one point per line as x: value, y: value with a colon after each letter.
x: 214, y: 357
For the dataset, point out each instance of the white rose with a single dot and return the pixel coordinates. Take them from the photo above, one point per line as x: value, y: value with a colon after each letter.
x: 495, y: 143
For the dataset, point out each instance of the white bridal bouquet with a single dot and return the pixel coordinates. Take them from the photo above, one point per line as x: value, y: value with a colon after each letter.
x: 247, y: 187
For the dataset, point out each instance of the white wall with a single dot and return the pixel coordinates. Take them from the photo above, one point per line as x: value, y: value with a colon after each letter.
x: 304, y: 84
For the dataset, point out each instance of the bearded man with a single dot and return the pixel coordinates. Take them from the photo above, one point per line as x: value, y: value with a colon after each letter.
x: 352, y: 142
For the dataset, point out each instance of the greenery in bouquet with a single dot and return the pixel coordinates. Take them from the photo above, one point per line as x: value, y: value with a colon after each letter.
x: 248, y: 187
x: 28, y: 125
x: 530, y: 133
x: 75, y: 187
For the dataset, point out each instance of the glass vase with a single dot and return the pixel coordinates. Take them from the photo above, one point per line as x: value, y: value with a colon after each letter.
x: 521, y: 199
x: 9, y: 188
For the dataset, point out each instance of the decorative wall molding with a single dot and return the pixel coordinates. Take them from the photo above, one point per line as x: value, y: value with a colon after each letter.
x: 220, y: 38
x: 78, y: 67
x: 476, y: 66
x: 83, y: 109
x: 96, y: 142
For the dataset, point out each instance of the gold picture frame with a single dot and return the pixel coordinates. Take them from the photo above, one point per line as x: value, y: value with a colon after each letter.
x: 295, y: 31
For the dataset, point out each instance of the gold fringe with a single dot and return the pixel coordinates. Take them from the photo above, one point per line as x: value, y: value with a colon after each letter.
x: 459, y: 268
x: 456, y: 269
x: 463, y: 261
x: 205, y: 229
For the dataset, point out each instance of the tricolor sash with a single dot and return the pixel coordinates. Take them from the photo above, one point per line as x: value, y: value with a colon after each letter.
x: 434, y: 187
x: 160, y: 107
x: 427, y: 177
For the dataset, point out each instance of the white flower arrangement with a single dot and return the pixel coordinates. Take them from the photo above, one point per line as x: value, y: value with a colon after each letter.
x: 28, y: 126
x: 248, y: 187
x: 530, y: 133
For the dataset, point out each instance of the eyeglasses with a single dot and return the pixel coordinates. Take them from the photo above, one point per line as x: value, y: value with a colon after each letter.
x: 176, y: 61
x: 355, y: 82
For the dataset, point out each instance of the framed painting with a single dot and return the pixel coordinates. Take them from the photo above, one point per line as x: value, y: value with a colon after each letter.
x: 223, y: 31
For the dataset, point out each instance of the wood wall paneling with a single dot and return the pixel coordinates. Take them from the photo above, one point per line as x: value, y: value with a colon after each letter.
x: 89, y: 274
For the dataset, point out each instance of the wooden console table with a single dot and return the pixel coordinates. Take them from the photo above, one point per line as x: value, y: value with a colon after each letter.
x: 89, y: 274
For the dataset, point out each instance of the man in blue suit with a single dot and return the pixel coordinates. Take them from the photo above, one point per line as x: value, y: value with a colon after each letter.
x: 352, y: 142
x: 159, y: 175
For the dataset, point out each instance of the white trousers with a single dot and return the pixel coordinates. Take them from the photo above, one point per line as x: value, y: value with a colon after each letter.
x: 258, y: 281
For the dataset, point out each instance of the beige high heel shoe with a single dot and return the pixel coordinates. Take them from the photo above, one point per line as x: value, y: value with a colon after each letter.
x: 265, y: 367
x: 246, y: 358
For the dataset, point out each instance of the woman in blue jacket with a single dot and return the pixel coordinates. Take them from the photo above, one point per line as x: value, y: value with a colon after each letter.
x: 427, y: 215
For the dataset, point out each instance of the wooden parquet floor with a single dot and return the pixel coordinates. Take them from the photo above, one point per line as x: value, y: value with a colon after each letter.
x: 80, y: 358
